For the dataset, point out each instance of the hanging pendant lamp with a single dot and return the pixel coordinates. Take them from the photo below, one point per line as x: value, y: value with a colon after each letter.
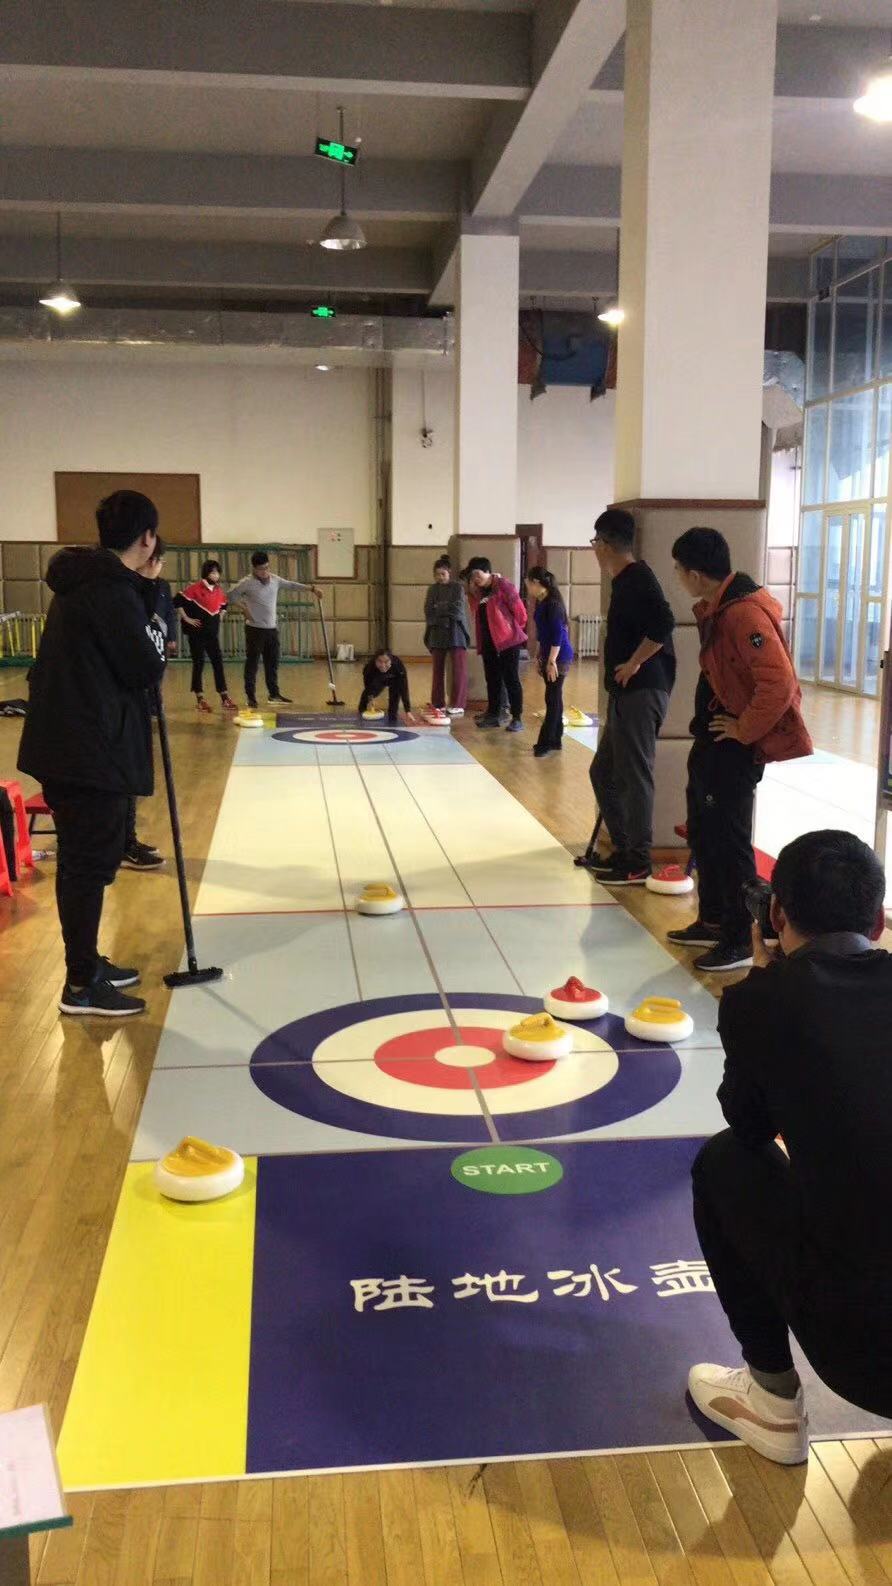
x: 343, y: 234
x: 60, y: 295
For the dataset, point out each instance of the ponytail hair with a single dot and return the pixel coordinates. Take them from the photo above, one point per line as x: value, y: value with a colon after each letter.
x: 443, y: 561
x: 554, y: 600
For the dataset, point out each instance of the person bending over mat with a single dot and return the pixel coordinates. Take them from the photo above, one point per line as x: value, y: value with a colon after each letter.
x: 386, y: 671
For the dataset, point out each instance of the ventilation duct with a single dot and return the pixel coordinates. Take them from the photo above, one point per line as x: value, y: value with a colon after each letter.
x: 377, y: 337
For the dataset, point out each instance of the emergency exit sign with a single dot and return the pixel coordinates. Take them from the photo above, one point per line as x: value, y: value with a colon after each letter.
x: 323, y: 311
x: 341, y: 153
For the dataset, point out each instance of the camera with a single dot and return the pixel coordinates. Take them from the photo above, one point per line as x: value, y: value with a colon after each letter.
x: 757, y: 897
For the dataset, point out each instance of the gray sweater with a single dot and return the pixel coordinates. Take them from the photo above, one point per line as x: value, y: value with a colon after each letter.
x: 260, y: 599
x: 448, y: 626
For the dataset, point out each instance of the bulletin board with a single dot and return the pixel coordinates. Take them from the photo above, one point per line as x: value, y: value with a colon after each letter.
x: 177, y: 497
x: 335, y: 554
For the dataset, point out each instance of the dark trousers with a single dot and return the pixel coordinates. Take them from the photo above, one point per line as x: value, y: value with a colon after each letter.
x: 500, y: 668
x: 393, y: 697
x: 722, y: 782
x: 552, y: 730
x: 622, y: 771
x: 130, y: 830
x: 91, y: 828
x: 261, y: 642
x: 772, y: 1281
x: 208, y: 644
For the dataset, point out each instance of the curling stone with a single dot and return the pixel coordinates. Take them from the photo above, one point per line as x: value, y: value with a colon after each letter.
x: 373, y: 715
x: 379, y: 898
x: 538, y: 1039
x: 248, y: 718
x: 573, y: 1000
x: 670, y: 880
x: 660, y: 1019
x: 197, y: 1171
x: 432, y: 716
x: 575, y: 717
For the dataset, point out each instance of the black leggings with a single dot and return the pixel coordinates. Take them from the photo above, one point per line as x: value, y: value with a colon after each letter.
x: 552, y: 729
x: 201, y: 645
x: 90, y: 835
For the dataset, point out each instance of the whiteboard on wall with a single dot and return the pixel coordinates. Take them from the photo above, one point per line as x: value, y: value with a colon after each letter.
x: 335, y: 554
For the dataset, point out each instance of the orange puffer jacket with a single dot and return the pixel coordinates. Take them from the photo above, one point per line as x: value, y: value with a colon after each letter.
x: 746, y: 660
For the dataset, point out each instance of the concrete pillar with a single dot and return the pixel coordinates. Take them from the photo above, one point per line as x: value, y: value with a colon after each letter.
x: 699, y: 85
x: 486, y: 407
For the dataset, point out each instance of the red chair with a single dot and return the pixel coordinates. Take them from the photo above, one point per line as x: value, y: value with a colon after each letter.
x: 24, y: 856
x: 36, y: 806
x: 5, y: 877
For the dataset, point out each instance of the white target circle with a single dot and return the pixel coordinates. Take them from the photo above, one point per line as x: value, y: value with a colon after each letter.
x: 418, y: 1065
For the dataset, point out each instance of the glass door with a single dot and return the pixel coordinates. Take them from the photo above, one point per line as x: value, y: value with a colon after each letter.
x: 849, y: 603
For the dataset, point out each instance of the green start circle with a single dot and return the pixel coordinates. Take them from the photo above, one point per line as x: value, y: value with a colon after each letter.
x: 507, y: 1170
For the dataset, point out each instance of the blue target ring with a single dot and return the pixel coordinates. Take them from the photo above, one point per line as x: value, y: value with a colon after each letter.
x: 285, y: 1068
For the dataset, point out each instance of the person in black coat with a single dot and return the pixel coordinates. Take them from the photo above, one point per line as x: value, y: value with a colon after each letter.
x: 799, y: 1239
x: 87, y: 737
x: 386, y: 671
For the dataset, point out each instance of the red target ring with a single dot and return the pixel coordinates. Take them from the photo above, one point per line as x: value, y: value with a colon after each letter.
x: 435, y: 1058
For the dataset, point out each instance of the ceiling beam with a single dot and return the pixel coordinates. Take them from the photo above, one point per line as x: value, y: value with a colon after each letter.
x: 95, y: 261
x: 569, y: 38
x: 123, y: 180
x: 554, y: 274
x: 321, y: 48
x: 585, y: 195
x: 811, y: 62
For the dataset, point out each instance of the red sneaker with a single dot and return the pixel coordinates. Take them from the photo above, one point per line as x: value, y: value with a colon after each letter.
x: 202, y: 705
x: 228, y: 703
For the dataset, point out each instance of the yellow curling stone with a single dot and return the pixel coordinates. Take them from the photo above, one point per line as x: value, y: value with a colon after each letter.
x: 660, y: 1019
x: 538, y: 1039
x: 379, y: 898
x: 197, y: 1171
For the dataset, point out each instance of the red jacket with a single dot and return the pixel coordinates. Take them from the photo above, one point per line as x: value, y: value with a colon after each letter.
x: 747, y: 663
x: 506, y: 615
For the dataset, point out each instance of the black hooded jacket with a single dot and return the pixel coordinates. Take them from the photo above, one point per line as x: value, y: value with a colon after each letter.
x: 88, y: 719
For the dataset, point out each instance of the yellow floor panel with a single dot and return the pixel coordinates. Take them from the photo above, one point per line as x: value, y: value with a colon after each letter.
x: 187, y: 1410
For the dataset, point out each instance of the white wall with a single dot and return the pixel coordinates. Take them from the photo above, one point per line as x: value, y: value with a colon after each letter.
x: 564, y: 460
x: 281, y: 451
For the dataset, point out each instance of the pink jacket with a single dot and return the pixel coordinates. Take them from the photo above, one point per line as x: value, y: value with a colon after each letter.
x: 506, y: 615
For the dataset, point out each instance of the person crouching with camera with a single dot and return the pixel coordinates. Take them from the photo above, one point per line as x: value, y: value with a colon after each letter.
x: 798, y: 1236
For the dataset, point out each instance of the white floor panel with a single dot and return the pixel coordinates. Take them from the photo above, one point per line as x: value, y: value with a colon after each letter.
x: 271, y: 849
x: 501, y: 853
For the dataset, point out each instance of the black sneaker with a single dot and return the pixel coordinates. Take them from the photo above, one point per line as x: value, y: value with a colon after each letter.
x: 540, y: 750
x: 139, y: 857
x: 623, y: 875
x: 514, y: 725
x: 696, y: 935
x: 280, y: 699
x: 99, y: 1001
x: 600, y: 863
x: 119, y: 978
x: 724, y: 957
x: 252, y: 704
x: 486, y: 721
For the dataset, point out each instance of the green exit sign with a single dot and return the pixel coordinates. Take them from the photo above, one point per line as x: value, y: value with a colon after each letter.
x: 341, y: 153
x: 322, y: 311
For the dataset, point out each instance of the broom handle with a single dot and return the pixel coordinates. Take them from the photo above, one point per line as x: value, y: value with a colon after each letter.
x: 175, y: 829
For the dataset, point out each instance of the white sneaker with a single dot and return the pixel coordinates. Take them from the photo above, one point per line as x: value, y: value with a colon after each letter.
x: 454, y: 710
x: 776, y: 1428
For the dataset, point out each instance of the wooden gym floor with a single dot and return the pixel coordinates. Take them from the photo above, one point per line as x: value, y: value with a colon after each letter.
x: 69, y: 1099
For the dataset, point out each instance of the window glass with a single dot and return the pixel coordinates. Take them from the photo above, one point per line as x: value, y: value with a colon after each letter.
x: 851, y: 439
x: 821, y: 267
x: 806, y: 639
x: 855, y: 330
x: 813, y: 487
x: 883, y: 442
x: 820, y: 320
x: 809, y: 581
